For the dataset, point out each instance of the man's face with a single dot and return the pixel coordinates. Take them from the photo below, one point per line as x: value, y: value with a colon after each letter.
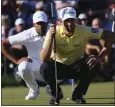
x: 70, y: 24
x: 84, y: 22
x: 96, y: 25
x: 41, y: 28
x: 19, y: 28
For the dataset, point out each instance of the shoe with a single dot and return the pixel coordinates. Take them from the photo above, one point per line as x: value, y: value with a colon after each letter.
x: 32, y: 95
x: 78, y: 99
x: 54, y: 102
x: 48, y: 91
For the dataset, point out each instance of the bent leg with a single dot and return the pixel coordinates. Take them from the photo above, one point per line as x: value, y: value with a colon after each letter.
x: 86, y: 77
x: 26, y: 73
x: 47, y: 70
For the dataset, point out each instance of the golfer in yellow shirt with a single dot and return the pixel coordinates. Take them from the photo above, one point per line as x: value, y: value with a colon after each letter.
x: 71, y: 63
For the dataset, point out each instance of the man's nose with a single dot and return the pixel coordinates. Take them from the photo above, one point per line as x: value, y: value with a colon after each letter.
x: 69, y: 23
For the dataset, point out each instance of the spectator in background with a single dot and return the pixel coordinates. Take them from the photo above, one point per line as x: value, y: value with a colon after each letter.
x: 94, y: 46
x: 83, y: 19
x: 96, y: 23
x: 39, y: 6
x: 18, y: 50
x: 6, y: 24
x: 24, y: 11
x: 107, y: 23
x: 9, y: 8
x: 19, y: 27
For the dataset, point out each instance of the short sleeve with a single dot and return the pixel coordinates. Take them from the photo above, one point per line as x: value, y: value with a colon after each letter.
x: 18, y: 39
x: 92, y: 33
x: 46, y: 40
x: 48, y: 37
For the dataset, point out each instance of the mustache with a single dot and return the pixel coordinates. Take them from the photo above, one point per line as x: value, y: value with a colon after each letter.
x: 41, y: 31
x: 70, y: 26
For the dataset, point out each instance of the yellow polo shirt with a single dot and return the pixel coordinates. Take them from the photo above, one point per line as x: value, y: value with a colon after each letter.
x: 71, y: 49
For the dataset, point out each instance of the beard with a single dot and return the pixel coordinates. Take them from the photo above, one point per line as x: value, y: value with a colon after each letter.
x: 70, y: 28
x: 42, y: 31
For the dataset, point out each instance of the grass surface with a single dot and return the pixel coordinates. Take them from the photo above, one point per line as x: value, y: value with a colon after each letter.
x: 98, y: 94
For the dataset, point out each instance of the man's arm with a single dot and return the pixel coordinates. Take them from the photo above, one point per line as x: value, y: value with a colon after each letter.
x: 92, y: 47
x: 18, y: 47
x: 47, y: 46
x: 5, y: 50
x: 108, y: 37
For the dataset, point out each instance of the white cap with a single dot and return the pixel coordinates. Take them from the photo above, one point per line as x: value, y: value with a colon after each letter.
x: 68, y: 12
x: 82, y: 16
x: 39, y: 16
x: 19, y: 21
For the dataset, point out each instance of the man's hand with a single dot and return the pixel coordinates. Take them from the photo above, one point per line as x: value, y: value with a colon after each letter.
x: 52, y: 30
x: 24, y: 59
x: 93, y: 60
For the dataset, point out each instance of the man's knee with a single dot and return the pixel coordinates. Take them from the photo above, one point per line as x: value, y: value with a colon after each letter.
x: 46, y: 69
x: 24, y: 68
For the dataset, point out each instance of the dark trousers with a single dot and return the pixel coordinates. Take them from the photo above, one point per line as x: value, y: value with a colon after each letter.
x: 73, y: 71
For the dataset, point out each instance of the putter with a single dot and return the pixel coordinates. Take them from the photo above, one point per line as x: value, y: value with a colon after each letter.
x: 73, y: 84
x: 54, y: 46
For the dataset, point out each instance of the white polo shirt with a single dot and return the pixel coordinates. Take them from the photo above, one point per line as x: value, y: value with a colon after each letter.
x: 31, y: 40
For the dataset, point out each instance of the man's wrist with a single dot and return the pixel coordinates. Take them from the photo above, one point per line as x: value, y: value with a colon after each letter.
x: 103, y: 53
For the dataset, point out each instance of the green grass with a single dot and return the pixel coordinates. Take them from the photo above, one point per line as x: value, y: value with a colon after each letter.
x: 98, y: 94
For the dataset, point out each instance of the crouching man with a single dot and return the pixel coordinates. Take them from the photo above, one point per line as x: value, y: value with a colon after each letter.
x: 71, y: 40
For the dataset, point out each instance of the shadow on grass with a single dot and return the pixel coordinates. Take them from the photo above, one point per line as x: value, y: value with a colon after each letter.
x: 86, y: 103
x: 101, y: 98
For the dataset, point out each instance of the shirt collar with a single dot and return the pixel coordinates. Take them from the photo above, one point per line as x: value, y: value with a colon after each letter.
x: 35, y: 33
x: 63, y: 34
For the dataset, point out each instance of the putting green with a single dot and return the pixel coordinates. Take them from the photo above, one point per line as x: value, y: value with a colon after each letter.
x: 98, y: 94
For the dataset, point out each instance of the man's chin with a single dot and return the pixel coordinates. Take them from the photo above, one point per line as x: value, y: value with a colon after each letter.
x: 70, y: 30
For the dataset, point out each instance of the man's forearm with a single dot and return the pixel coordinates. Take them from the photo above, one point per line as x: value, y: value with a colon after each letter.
x: 46, y: 52
x: 107, y: 37
x: 8, y: 54
x: 103, y: 53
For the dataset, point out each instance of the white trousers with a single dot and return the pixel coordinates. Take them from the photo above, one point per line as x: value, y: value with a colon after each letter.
x: 29, y: 72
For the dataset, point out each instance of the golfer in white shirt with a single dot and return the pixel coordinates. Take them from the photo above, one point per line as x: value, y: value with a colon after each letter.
x: 32, y: 39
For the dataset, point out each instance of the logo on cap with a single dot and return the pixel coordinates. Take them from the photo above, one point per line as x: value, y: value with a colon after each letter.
x: 69, y: 12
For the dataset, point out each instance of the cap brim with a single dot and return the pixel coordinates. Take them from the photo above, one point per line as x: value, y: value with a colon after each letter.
x: 69, y: 18
x: 40, y: 20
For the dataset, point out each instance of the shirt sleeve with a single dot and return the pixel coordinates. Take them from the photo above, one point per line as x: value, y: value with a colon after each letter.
x: 18, y: 39
x: 92, y: 33
x: 48, y: 37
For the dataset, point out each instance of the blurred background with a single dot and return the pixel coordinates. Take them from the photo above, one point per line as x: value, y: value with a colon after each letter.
x: 16, y: 16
